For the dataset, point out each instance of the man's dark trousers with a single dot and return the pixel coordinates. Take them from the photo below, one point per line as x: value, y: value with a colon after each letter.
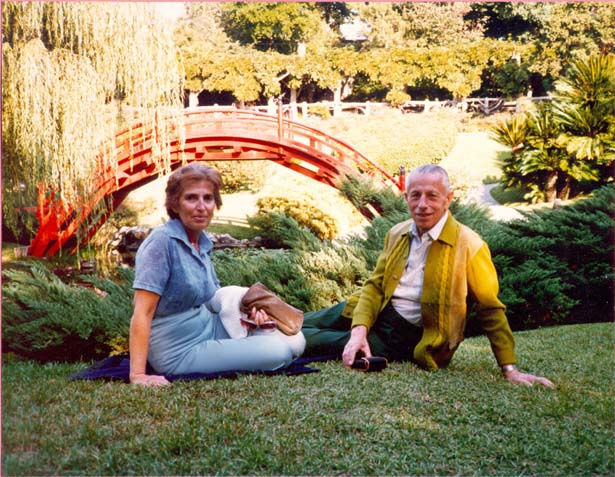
x: 326, y: 332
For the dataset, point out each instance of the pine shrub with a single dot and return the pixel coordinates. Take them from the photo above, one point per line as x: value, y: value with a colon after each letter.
x: 335, y: 272
x: 279, y: 270
x: 558, y: 264
x: 531, y: 286
x: 320, y: 224
x: 473, y: 215
x: 45, y: 319
x: 367, y: 197
x: 277, y: 230
x: 307, y: 279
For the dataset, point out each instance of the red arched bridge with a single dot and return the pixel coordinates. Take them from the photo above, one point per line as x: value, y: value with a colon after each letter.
x: 207, y: 134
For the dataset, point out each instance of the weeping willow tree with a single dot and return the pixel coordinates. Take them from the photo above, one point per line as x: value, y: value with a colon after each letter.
x: 73, y: 74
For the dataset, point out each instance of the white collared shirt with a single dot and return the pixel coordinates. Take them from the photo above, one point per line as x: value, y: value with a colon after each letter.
x: 407, y: 296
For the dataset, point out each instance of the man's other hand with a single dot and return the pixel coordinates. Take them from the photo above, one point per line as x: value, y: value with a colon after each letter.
x: 357, y: 343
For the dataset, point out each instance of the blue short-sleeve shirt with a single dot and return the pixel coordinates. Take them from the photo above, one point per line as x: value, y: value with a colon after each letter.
x: 166, y: 264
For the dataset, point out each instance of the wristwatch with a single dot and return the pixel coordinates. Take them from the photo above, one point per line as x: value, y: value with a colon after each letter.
x: 508, y: 367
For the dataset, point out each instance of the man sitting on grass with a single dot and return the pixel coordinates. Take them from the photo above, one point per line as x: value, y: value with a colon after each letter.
x: 414, y: 305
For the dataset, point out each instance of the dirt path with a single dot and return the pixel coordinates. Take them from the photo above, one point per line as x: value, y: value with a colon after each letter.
x: 475, y: 157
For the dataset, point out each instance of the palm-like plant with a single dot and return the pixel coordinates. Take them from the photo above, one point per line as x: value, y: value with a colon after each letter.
x: 511, y: 132
x: 589, y: 82
x: 556, y: 148
x: 585, y: 109
x: 543, y: 157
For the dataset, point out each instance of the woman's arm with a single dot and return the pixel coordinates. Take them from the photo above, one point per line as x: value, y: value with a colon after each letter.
x: 145, y: 303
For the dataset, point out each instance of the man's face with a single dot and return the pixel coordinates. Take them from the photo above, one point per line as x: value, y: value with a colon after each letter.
x: 427, y: 200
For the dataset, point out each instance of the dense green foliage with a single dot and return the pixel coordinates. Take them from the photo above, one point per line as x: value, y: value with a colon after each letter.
x: 568, y: 146
x: 557, y: 266
x: 46, y: 319
x: 464, y: 420
x: 277, y: 26
x: 276, y: 229
x: 554, y: 34
x: 70, y: 81
x: 305, y: 214
x: 307, y: 279
x: 396, y: 50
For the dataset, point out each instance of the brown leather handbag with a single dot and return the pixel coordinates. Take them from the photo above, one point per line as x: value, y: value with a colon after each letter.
x: 288, y: 318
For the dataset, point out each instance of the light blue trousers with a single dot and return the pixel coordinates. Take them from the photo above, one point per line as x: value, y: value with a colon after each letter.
x: 195, y: 341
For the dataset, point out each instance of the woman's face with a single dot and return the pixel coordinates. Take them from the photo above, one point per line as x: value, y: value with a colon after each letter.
x: 196, y: 206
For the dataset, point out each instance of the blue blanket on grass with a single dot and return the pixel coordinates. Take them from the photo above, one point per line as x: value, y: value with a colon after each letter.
x: 118, y: 368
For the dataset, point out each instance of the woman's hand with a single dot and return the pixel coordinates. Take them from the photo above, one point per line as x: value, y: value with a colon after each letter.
x: 259, y: 316
x: 148, y: 380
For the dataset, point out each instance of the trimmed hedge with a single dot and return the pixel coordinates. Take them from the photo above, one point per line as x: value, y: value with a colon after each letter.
x: 241, y: 175
x: 323, y: 226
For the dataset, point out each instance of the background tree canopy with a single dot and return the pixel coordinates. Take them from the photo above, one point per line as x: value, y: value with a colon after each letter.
x: 406, y: 49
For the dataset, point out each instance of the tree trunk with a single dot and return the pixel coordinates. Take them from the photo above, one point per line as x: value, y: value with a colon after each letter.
x: 550, y: 187
x: 564, y: 194
x: 301, y: 50
x: 337, y: 100
x: 271, y: 106
x: 293, y: 104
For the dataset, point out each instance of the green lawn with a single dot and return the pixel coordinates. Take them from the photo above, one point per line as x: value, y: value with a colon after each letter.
x: 465, y: 420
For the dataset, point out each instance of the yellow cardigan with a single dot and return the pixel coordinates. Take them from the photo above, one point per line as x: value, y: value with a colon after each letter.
x: 458, y: 267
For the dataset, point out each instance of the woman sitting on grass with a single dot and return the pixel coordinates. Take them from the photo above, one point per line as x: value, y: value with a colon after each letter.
x: 172, y: 327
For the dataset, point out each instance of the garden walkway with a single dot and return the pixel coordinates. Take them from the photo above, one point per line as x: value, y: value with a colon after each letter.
x: 473, y: 158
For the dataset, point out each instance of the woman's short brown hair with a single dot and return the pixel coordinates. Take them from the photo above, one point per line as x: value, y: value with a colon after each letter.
x: 189, y: 173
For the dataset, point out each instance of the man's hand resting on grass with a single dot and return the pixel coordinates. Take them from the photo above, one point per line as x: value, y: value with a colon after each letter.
x: 517, y: 377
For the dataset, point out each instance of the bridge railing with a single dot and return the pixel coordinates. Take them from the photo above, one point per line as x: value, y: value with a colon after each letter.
x: 299, y: 134
x: 145, y: 149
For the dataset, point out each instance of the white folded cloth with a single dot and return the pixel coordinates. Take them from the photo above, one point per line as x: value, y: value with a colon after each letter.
x: 226, y: 303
